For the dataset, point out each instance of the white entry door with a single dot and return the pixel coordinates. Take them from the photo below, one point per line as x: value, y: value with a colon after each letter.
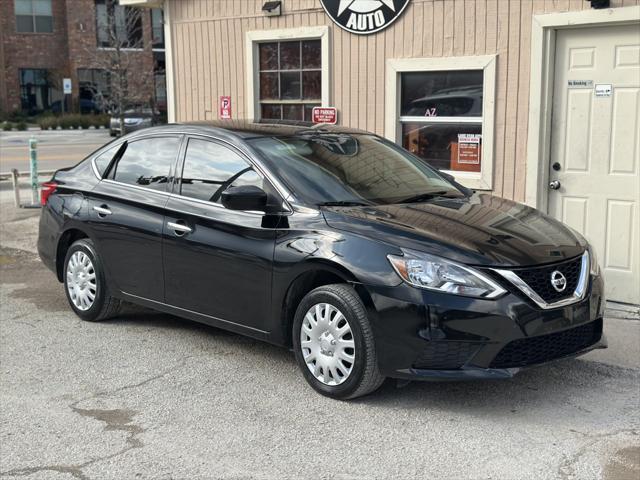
x: 595, y: 148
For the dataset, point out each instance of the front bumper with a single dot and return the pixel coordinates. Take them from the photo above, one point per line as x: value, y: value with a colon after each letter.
x: 422, y: 335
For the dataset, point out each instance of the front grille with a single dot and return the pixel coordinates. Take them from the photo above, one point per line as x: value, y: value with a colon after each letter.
x: 529, y: 351
x: 448, y: 355
x: 539, y: 279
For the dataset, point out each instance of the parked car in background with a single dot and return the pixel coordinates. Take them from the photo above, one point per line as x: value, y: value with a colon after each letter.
x: 337, y: 243
x: 134, y: 119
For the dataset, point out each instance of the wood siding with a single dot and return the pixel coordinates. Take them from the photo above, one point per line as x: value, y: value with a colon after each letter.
x: 209, y: 60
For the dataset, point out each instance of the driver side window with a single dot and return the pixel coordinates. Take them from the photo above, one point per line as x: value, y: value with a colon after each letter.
x: 210, y: 168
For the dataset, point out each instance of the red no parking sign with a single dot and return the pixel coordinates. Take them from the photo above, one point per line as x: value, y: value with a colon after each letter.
x: 225, y: 107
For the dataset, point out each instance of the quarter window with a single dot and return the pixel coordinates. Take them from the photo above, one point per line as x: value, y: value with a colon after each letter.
x: 441, y: 117
x: 290, y: 79
x: 33, y: 16
x: 102, y: 160
x: 147, y: 162
x: 210, y: 168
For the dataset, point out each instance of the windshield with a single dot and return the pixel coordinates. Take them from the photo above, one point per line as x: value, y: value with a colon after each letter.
x: 350, y: 169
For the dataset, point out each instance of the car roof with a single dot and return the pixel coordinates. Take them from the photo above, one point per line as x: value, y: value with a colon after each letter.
x: 243, y: 129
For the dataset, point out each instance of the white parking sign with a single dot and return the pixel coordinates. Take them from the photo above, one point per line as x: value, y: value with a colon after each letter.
x: 66, y: 85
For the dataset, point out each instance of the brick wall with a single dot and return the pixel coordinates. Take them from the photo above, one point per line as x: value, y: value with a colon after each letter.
x: 30, y: 50
x: 71, y: 46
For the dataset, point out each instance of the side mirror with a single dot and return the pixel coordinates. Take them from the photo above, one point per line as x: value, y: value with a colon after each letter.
x: 246, y: 197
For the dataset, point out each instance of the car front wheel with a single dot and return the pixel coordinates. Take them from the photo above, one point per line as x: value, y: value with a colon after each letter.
x: 334, y: 345
x: 85, y: 285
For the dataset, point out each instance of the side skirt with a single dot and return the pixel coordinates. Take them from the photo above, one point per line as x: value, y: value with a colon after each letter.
x: 198, y: 317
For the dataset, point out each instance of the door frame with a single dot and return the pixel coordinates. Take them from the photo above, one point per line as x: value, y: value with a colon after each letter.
x: 543, y: 49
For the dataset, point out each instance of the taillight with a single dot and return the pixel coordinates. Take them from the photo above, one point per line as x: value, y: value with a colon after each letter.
x: 47, y: 189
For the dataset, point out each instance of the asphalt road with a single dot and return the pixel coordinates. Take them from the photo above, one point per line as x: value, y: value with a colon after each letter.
x: 152, y: 396
x: 56, y: 149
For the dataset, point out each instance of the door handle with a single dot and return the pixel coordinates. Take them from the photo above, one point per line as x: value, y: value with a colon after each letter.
x: 103, y: 211
x: 179, y: 228
x: 555, y: 185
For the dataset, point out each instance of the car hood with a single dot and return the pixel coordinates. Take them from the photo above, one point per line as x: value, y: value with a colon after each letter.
x: 480, y: 230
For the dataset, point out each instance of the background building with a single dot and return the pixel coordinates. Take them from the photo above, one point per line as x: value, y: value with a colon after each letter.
x: 44, y: 41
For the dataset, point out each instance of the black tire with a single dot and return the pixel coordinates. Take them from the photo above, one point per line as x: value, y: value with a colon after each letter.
x: 112, y: 133
x: 365, y: 376
x: 104, y: 305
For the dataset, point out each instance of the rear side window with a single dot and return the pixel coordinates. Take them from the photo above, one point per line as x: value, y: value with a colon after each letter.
x: 211, y: 168
x: 147, y: 162
x: 102, y: 160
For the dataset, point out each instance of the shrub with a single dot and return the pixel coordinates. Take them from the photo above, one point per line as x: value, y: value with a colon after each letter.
x: 21, y: 126
x: 48, y: 123
x: 17, y: 116
x: 7, y: 126
x: 101, y: 120
x: 66, y: 121
x: 83, y: 121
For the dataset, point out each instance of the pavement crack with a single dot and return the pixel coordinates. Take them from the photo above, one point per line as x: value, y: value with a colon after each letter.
x: 115, y: 420
x: 106, y: 393
x: 73, y: 470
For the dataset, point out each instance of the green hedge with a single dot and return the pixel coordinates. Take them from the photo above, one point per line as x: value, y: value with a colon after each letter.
x: 73, y: 121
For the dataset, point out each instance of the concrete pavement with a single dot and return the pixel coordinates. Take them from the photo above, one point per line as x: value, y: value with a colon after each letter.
x: 152, y: 396
x: 56, y: 149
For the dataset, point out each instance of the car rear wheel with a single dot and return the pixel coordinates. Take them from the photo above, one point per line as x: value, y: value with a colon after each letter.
x: 334, y: 345
x: 85, y: 285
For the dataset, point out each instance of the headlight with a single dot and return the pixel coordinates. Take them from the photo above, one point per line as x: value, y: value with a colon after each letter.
x: 593, y: 262
x: 433, y: 273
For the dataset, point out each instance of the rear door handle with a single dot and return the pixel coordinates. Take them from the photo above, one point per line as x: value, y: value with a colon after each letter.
x: 179, y: 228
x: 103, y: 211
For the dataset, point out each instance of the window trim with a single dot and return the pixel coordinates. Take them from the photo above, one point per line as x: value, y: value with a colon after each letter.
x: 253, y: 38
x: 482, y: 180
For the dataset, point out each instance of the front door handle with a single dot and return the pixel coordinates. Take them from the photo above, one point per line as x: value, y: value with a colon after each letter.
x: 103, y: 211
x: 555, y: 185
x: 179, y: 228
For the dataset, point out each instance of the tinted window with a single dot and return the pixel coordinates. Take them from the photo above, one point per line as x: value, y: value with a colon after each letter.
x: 102, y: 160
x: 210, y: 168
x: 147, y: 162
x: 442, y: 94
x: 349, y: 168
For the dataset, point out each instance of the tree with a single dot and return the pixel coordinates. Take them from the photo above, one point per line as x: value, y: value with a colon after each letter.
x: 119, y: 35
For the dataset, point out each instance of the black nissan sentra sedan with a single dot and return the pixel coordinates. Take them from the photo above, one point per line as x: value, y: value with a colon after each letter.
x: 337, y: 243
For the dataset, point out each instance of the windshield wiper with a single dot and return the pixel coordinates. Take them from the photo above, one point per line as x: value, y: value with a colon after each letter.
x: 423, y: 197
x: 343, y: 203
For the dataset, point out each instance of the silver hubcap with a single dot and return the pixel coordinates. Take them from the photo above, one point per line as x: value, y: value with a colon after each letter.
x: 327, y: 344
x: 81, y: 280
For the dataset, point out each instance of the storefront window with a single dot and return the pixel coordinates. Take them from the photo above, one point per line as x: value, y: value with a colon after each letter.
x: 290, y: 83
x: 441, y: 117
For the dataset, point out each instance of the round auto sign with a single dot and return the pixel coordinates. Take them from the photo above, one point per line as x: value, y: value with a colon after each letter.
x: 364, y: 16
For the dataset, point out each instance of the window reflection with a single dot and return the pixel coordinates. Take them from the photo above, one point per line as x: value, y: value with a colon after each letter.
x: 210, y: 168
x: 147, y: 162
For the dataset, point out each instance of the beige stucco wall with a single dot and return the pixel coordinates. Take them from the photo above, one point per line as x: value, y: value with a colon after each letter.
x: 209, y: 60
